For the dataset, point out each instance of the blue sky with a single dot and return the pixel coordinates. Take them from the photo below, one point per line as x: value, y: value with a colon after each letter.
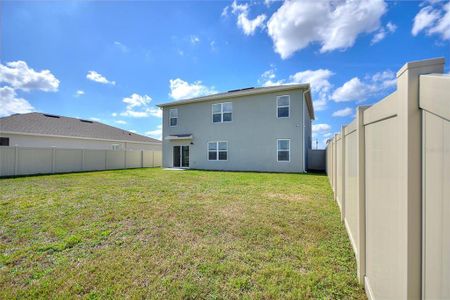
x: 114, y: 61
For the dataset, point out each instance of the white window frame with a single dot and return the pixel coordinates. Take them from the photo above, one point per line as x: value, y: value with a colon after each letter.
x: 221, y: 112
x: 170, y: 118
x: 289, y: 150
x: 281, y: 106
x: 217, y: 150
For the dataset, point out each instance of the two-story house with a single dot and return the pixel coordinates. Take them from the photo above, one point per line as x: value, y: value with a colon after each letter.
x: 255, y: 129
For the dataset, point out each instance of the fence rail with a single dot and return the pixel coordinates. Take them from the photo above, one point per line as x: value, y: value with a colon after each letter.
x: 390, y: 173
x: 16, y: 161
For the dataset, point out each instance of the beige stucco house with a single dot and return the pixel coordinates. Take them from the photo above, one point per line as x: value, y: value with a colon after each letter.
x: 255, y: 129
x: 40, y: 130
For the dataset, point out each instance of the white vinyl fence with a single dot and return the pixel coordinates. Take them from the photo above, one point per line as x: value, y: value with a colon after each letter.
x: 390, y: 173
x: 26, y: 161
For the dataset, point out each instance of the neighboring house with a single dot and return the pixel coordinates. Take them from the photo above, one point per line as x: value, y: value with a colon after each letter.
x: 254, y: 129
x: 46, y: 130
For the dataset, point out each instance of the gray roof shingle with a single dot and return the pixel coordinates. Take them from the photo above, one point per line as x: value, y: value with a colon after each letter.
x: 39, y: 123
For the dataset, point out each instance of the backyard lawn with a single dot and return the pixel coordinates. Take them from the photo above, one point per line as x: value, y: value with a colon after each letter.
x: 152, y: 233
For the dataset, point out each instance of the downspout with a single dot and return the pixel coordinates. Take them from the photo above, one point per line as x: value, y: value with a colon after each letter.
x: 304, y: 138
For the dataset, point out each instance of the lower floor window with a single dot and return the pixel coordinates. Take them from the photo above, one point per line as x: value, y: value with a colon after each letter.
x: 283, y: 149
x: 218, y: 151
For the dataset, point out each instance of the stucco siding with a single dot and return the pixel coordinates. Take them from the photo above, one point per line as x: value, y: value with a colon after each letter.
x: 252, y: 135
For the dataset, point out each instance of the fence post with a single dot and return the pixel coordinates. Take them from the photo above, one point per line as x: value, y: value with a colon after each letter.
x: 411, y: 166
x: 335, y: 166
x: 153, y: 158
x: 82, y: 160
x: 343, y: 173
x: 361, y: 192
x: 16, y: 160
x: 53, y: 159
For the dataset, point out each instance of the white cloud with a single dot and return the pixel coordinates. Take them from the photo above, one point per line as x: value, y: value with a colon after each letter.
x: 157, y: 133
x: 345, y: 112
x: 121, y: 47
x: 79, y: 93
x: 139, y: 107
x: 318, y: 79
x: 18, y: 75
x: 120, y: 122
x: 180, y: 89
x: 194, y: 39
x: 383, y: 32
x: 114, y: 114
x: 133, y: 131
x: 247, y: 25
x: 9, y: 104
x: 433, y: 19
x: 95, y: 119
x: 320, y: 128
x: 357, y: 90
x: 334, y: 25
x: 97, y: 77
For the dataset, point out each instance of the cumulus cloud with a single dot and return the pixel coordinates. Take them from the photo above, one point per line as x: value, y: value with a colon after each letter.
x: 334, y: 25
x: 97, y: 77
x: 357, y: 90
x: 320, y: 128
x: 383, y: 32
x: 121, y: 122
x: 139, y: 107
x: 433, y: 19
x: 345, y: 112
x: 10, y: 104
x: 247, y: 25
x: 180, y: 89
x: 194, y: 39
x: 18, y: 75
x: 318, y: 79
x: 156, y: 133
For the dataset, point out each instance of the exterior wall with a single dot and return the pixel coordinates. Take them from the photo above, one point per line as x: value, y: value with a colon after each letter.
x: 23, y: 140
x: 395, y: 196
x: 252, y: 135
x: 25, y: 161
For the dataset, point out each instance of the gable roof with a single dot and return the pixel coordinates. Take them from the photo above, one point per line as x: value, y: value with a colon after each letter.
x: 54, y: 125
x: 248, y: 92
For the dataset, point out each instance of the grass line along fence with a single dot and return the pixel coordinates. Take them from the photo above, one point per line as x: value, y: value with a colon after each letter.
x: 15, y: 161
x: 390, y: 173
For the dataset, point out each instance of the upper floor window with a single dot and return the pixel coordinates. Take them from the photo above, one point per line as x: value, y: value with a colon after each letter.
x: 115, y: 146
x: 283, y: 103
x: 218, y: 151
x: 283, y: 149
x: 173, y: 117
x: 4, y: 141
x: 222, y: 112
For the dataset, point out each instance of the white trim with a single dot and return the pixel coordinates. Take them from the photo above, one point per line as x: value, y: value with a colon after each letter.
x: 289, y: 150
x: 221, y: 112
x: 282, y: 106
x: 79, y: 137
x: 170, y: 118
x: 217, y: 150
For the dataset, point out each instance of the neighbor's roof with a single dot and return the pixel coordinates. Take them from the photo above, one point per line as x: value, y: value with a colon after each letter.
x: 247, y: 92
x: 53, y: 125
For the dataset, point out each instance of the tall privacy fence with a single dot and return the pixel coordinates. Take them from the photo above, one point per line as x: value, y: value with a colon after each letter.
x: 25, y: 160
x: 390, y: 172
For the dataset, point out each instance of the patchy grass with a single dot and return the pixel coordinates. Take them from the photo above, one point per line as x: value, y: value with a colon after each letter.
x: 150, y: 233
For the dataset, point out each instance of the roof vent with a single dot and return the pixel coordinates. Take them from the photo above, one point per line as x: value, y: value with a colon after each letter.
x: 87, y: 121
x: 239, y: 90
x: 51, y: 116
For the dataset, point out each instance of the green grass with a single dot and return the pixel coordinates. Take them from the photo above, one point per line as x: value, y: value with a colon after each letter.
x: 151, y: 233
